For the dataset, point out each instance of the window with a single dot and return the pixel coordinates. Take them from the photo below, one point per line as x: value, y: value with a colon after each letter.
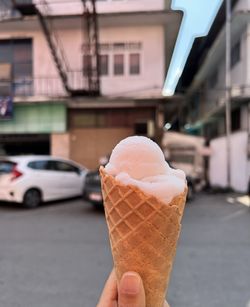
x: 105, y: 47
x: 235, y: 54
x: 18, y: 53
x: 125, y: 58
x: 178, y: 157
x: 141, y: 128
x: 6, y: 167
x: 134, y: 46
x: 236, y: 119
x: 213, y: 80
x: 49, y: 165
x: 119, y: 46
x: 38, y: 165
x: 22, y: 52
x: 65, y: 167
x: 118, y: 64
x: 104, y: 65
x: 5, y: 54
x: 134, y: 64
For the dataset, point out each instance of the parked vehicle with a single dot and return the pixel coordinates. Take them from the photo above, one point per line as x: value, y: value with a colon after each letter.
x: 187, y: 153
x: 93, y: 191
x: 31, y: 180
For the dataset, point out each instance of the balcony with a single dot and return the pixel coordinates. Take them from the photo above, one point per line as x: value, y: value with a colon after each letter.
x: 43, y: 86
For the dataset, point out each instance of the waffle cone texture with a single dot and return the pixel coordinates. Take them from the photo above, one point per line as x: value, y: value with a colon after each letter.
x: 143, y: 234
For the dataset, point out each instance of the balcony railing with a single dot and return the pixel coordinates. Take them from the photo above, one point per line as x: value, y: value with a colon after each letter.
x: 45, y: 86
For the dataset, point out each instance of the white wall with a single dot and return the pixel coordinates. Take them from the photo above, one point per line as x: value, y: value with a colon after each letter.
x: 152, y: 60
x: 239, y: 162
x: 242, y: 5
x: 218, y: 163
x: 248, y: 57
x: 129, y: 5
x: 103, y: 6
x: 245, y: 118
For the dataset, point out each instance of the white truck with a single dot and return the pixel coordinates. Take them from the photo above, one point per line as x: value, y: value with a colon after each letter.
x: 187, y: 153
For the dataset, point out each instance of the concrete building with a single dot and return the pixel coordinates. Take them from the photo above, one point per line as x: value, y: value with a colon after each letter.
x: 205, y: 107
x: 136, y: 39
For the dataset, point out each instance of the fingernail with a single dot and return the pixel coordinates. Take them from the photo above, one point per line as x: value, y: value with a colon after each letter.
x: 130, y: 283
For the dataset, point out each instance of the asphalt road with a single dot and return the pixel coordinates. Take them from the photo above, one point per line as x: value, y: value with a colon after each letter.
x: 58, y: 255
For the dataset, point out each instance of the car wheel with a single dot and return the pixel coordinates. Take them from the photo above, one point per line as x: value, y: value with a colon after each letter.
x: 98, y: 206
x: 32, y: 198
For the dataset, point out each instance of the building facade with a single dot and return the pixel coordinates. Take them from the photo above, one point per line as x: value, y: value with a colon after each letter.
x: 206, y: 97
x: 135, y: 43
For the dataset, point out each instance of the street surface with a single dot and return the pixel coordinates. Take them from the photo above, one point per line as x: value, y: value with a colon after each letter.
x: 58, y: 255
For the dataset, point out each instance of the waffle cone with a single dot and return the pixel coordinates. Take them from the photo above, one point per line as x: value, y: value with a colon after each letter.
x: 143, y: 234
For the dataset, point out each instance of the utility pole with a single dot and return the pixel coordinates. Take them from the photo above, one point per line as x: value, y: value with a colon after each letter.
x: 228, y: 88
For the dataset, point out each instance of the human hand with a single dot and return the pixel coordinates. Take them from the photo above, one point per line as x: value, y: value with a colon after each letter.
x: 130, y: 292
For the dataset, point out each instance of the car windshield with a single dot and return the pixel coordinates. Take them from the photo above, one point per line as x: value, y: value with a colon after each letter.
x: 6, y: 167
x: 182, y: 158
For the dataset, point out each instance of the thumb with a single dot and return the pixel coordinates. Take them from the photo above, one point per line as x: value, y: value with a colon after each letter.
x: 131, y: 291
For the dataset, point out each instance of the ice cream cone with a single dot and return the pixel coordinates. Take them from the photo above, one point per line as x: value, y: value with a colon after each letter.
x: 143, y: 234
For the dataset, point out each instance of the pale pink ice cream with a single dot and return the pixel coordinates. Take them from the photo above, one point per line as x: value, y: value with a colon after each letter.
x: 138, y: 161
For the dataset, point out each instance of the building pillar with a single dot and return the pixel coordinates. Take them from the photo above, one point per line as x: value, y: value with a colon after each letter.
x: 60, y: 145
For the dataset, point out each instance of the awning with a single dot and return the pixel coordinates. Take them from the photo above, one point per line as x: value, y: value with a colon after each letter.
x: 36, y: 118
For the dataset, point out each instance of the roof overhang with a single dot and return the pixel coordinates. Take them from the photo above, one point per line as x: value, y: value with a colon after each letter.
x: 142, y: 18
x: 120, y: 102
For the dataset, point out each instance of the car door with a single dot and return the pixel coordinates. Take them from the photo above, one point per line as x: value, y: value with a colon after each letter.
x: 71, y: 181
x: 43, y: 175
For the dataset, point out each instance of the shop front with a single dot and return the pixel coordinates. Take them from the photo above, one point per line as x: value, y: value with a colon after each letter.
x: 31, y: 128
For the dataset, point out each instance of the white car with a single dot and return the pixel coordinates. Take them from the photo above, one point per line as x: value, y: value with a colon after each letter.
x: 31, y: 180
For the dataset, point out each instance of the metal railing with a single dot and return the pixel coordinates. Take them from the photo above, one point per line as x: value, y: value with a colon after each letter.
x: 44, y: 86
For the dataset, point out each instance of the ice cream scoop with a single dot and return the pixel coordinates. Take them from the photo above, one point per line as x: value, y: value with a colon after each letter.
x: 138, y: 161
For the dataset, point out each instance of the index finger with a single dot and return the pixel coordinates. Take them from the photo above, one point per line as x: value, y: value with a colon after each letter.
x: 109, y: 295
